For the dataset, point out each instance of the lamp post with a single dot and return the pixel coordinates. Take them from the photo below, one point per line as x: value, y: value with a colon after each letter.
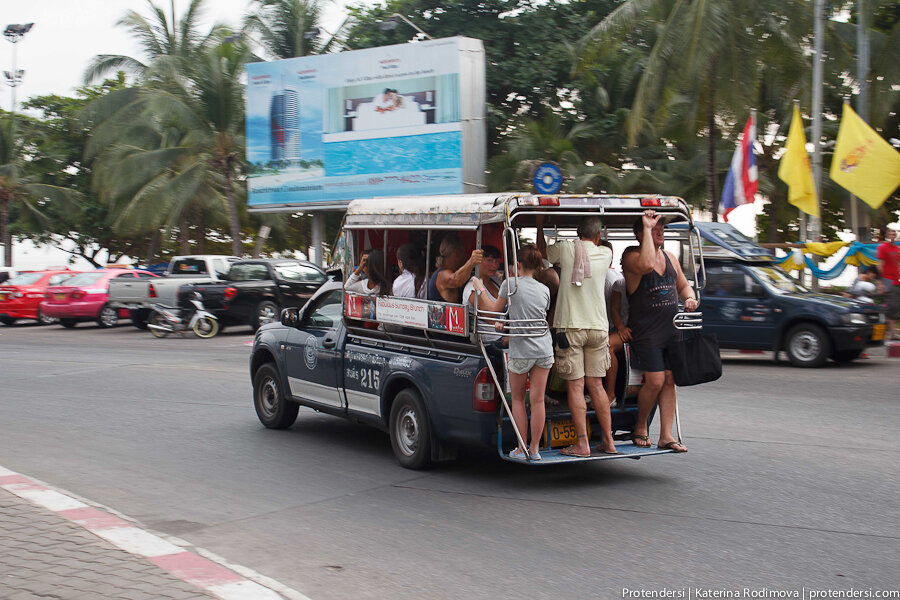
x: 392, y: 21
x: 14, y: 33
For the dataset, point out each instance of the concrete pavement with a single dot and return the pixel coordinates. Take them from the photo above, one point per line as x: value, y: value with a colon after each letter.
x: 55, y: 546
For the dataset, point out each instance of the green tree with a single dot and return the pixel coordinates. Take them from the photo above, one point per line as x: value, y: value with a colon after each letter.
x: 281, y: 25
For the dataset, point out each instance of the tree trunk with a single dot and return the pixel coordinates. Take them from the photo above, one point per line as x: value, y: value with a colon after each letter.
x: 151, y: 248
x: 4, y: 233
x: 237, y: 247
x: 201, y: 236
x: 711, y: 153
x: 184, y: 241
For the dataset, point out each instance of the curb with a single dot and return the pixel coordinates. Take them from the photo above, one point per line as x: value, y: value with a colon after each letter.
x: 209, y: 576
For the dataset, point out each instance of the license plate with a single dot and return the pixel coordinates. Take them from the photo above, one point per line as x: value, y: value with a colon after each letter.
x: 60, y: 296
x: 878, y: 332
x: 562, y: 432
x: 2, y: 296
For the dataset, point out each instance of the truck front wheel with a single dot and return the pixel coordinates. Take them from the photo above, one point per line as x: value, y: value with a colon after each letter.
x: 807, y: 345
x: 273, y: 410
x: 410, y: 430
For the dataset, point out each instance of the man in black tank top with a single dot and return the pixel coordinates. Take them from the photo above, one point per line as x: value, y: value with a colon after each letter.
x: 654, y: 283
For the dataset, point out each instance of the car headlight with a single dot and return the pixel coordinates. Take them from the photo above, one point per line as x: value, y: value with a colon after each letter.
x: 854, y: 319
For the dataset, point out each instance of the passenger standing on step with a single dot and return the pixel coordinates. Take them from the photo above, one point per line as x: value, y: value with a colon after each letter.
x: 654, y: 283
x: 582, y: 355
x: 530, y: 352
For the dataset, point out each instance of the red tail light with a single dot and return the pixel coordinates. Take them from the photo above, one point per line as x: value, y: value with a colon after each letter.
x: 650, y: 202
x: 230, y: 293
x: 484, y: 393
x: 152, y: 292
x: 48, y: 295
x: 549, y: 201
x: 77, y: 295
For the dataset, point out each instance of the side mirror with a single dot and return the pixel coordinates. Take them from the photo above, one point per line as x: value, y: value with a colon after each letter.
x: 290, y: 317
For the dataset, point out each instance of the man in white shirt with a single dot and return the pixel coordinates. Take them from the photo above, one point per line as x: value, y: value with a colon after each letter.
x: 582, y: 329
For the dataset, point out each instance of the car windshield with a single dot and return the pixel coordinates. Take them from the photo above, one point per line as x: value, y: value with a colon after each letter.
x: 296, y: 272
x: 777, y: 280
x: 83, y: 279
x: 25, y: 279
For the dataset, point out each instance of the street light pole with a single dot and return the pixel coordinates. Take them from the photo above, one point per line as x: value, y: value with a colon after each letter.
x: 391, y: 22
x: 14, y: 33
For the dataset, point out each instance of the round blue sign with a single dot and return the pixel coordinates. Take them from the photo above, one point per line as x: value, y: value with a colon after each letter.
x: 547, y: 178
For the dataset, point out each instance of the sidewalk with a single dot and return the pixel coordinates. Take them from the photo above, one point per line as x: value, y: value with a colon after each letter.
x: 53, y: 546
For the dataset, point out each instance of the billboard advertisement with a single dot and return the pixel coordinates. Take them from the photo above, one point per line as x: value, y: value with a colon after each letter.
x: 389, y: 121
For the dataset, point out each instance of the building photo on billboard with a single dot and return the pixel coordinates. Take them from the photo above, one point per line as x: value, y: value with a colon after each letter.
x: 390, y: 121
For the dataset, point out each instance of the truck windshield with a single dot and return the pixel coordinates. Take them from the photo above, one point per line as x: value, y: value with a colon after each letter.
x: 777, y: 280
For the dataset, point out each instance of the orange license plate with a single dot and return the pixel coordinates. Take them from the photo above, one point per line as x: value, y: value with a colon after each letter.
x: 2, y: 296
x: 60, y: 296
x: 562, y: 432
x: 878, y: 332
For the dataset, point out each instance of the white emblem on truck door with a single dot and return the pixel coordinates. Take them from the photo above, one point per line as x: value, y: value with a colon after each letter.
x: 311, y: 353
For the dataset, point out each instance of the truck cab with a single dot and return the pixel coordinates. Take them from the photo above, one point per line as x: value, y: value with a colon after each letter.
x: 752, y: 304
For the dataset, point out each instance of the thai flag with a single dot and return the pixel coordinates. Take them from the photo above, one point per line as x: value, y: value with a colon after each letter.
x: 742, y: 181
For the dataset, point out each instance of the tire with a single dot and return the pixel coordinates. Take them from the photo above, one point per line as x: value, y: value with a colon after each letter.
x: 845, y: 356
x: 43, y: 319
x: 410, y: 430
x: 138, y: 318
x: 266, y: 312
x: 273, y: 410
x: 158, y: 319
x: 206, y: 327
x: 108, y: 317
x: 68, y: 323
x: 807, y: 346
x: 8, y: 321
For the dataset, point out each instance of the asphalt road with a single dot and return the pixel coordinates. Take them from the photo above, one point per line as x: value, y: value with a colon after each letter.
x: 792, y: 479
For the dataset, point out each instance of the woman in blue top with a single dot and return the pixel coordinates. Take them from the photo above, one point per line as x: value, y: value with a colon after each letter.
x: 530, y: 355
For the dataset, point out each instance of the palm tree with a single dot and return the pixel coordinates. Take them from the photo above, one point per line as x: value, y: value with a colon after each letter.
x: 281, y: 26
x: 169, y: 44
x: 714, y: 53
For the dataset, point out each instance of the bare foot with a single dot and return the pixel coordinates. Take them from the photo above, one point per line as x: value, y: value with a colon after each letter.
x: 673, y: 445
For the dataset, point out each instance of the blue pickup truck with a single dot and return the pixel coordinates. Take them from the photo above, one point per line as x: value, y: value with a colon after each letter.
x: 751, y: 304
x: 419, y: 369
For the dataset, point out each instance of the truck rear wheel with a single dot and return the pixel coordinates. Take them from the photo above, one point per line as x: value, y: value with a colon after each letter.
x: 273, y: 410
x: 266, y: 312
x: 807, y: 345
x: 410, y: 430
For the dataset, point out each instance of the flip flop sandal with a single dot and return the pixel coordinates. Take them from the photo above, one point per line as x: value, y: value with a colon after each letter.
x: 670, y: 446
x: 570, y: 451
x: 643, y: 438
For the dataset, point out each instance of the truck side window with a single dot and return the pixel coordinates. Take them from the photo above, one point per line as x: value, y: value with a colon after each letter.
x: 257, y: 272
x: 727, y: 281
x: 325, y: 313
x: 221, y: 266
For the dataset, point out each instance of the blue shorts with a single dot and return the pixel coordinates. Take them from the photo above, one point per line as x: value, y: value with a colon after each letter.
x: 649, y: 359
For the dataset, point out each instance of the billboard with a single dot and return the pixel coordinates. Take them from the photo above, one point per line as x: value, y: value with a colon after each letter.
x: 389, y: 121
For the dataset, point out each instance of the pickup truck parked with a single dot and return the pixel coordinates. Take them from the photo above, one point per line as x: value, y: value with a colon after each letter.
x: 256, y: 290
x: 138, y: 295
x: 751, y: 304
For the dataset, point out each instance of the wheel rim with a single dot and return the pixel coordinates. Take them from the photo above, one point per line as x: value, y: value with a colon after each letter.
x: 205, y: 327
x: 266, y: 314
x: 158, y: 320
x: 45, y: 320
x: 806, y: 346
x: 268, y: 397
x: 108, y: 316
x: 408, y: 431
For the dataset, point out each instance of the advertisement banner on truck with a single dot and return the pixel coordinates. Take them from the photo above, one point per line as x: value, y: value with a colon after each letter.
x: 389, y: 121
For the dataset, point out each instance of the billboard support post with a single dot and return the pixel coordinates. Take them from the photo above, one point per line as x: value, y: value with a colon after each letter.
x: 318, y: 234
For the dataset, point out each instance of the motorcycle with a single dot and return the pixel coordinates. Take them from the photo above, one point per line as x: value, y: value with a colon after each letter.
x: 168, y: 319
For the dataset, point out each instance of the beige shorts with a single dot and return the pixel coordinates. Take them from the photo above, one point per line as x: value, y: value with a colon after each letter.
x: 587, y: 354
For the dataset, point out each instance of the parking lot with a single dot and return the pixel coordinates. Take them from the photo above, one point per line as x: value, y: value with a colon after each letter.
x: 791, y: 480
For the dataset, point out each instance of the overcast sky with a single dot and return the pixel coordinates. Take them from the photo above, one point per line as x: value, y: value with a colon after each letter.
x: 68, y: 33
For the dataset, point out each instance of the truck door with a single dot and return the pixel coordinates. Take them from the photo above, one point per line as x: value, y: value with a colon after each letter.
x: 314, y: 361
x: 297, y: 283
x: 737, y: 308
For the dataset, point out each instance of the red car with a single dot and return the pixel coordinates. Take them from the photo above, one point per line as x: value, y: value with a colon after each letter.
x: 84, y: 297
x: 21, y: 296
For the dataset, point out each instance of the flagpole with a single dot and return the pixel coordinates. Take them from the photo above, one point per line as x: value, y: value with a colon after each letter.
x: 861, y: 226
x: 818, y: 65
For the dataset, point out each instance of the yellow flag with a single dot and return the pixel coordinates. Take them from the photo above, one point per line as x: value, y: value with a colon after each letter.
x: 794, y: 169
x: 863, y: 163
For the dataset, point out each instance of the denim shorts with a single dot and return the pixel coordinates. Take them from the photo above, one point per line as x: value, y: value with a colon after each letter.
x: 520, y: 366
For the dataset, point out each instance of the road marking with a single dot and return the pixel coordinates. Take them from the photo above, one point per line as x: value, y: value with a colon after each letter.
x: 225, y: 581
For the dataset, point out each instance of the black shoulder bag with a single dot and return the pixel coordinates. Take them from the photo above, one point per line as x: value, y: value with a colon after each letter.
x: 693, y: 357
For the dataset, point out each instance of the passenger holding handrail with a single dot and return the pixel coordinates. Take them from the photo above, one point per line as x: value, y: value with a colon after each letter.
x: 453, y: 271
x: 654, y: 282
x: 377, y: 283
x: 582, y: 356
x: 489, y: 267
x: 530, y: 349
